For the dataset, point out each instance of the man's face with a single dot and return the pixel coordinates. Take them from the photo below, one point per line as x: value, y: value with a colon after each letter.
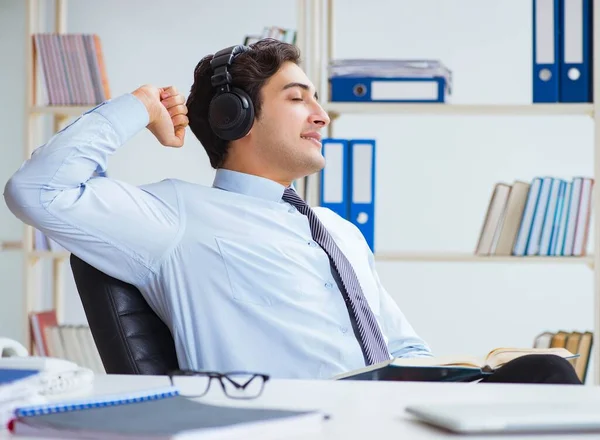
x: 287, y: 135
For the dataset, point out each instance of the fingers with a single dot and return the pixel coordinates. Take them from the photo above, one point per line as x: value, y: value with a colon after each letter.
x: 173, y: 101
x: 178, y: 110
x: 180, y: 120
x: 177, y: 140
x: 180, y: 134
x: 165, y: 92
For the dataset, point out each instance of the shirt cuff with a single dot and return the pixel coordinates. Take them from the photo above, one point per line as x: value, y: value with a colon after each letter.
x: 126, y: 114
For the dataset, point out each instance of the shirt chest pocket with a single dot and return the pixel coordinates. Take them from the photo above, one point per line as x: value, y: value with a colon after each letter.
x: 268, y: 272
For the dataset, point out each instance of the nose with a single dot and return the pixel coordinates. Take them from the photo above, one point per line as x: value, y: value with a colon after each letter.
x: 319, y: 116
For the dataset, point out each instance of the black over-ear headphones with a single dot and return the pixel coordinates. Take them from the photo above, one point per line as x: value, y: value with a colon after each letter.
x: 231, y: 111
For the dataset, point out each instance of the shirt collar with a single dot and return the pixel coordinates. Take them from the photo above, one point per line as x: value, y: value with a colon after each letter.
x: 248, y: 184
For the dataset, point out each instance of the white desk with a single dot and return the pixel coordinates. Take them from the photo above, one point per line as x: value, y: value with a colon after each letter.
x: 368, y: 410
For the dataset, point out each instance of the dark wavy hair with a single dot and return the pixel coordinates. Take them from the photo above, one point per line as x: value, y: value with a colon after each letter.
x: 249, y: 71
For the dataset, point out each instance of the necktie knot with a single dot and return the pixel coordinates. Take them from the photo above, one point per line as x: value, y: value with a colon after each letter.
x: 290, y: 196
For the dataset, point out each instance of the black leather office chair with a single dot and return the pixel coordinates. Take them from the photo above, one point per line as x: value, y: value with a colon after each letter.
x: 130, y: 337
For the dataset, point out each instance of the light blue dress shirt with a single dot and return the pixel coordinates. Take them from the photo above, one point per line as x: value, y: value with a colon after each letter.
x: 231, y: 269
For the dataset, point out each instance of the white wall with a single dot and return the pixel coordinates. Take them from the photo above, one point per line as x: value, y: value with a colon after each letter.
x: 12, y: 108
x: 435, y: 174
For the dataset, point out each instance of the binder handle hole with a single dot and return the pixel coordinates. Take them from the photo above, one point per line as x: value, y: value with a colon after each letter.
x: 362, y: 218
x: 573, y: 74
x: 545, y: 74
x: 359, y: 90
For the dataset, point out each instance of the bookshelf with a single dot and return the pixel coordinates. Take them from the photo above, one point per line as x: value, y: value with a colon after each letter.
x: 316, y: 40
x: 35, y: 13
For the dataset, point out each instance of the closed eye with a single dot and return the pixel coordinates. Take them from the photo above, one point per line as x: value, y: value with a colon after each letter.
x: 296, y: 99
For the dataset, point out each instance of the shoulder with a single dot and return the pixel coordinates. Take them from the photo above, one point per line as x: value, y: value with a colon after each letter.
x: 186, y: 195
x: 175, y: 188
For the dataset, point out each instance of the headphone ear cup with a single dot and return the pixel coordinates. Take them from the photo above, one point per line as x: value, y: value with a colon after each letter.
x: 231, y: 114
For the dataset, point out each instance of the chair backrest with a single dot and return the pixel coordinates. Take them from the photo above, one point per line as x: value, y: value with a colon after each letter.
x: 130, y: 337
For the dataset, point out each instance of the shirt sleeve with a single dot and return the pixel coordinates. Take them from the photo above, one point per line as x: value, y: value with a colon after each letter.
x: 121, y: 229
x: 403, y: 340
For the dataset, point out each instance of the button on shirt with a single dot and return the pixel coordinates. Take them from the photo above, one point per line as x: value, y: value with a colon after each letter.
x: 232, y: 269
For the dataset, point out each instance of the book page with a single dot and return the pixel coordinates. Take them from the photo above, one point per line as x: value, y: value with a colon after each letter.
x: 457, y: 361
x: 500, y: 356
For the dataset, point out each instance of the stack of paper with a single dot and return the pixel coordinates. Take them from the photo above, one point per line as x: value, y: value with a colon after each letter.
x: 390, y: 68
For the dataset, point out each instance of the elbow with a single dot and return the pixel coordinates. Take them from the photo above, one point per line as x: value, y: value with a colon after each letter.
x: 13, y: 193
x: 22, y: 198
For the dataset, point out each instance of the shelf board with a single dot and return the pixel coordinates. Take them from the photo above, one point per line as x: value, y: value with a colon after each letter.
x: 48, y: 255
x: 60, y: 110
x: 10, y: 245
x: 339, y: 108
x: 470, y: 258
x: 6, y: 246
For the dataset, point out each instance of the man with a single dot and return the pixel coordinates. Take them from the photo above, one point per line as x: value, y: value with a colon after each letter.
x: 244, y: 273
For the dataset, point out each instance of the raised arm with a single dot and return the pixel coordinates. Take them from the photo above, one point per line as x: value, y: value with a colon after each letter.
x: 120, y: 229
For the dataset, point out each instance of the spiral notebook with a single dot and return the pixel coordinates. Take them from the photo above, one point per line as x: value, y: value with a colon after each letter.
x: 160, y: 414
x: 100, y: 402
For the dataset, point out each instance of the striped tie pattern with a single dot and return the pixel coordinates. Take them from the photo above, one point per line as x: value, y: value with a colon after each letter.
x: 367, y: 331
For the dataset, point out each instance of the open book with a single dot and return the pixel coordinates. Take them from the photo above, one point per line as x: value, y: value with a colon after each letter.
x: 464, y: 367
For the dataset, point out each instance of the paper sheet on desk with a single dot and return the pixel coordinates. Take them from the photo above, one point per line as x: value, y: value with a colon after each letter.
x: 17, y: 388
x: 7, y: 407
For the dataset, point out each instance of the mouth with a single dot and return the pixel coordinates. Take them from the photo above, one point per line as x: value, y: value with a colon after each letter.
x: 313, y: 137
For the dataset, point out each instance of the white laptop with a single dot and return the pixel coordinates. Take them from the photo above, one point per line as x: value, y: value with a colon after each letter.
x: 510, y: 417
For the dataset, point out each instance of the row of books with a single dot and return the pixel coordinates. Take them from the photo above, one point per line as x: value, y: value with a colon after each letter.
x: 576, y: 342
x: 547, y: 217
x: 275, y: 32
x: 71, y: 68
x: 71, y: 342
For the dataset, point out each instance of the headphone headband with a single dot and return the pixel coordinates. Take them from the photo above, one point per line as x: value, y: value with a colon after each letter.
x: 221, y: 61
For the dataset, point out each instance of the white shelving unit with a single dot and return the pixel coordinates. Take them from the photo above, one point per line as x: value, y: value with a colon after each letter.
x: 316, y: 39
x: 36, y: 11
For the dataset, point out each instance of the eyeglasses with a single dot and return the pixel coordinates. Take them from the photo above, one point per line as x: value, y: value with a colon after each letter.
x: 236, y: 385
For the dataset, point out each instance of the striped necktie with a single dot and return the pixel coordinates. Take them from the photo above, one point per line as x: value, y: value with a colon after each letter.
x: 366, y: 329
